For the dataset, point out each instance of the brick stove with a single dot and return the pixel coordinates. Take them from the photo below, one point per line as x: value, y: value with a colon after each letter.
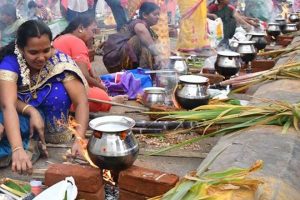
x: 134, y: 183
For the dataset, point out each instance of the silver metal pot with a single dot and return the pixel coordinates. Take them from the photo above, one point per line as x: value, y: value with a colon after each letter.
x: 294, y: 17
x: 113, y: 145
x: 281, y: 22
x: 273, y: 30
x: 259, y: 39
x: 227, y: 63
x: 289, y: 28
x: 191, y: 91
x: 178, y: 63
x: 154, y: 95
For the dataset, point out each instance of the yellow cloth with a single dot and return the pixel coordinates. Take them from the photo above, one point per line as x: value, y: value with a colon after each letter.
x: 193, y: 25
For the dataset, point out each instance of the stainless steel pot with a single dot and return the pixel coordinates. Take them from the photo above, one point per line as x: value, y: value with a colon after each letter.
x: 154, y: 95
x: 289, y: 28
x: 248, y: 53
x: 113, y: 145
x: 259, y: 39
x: 178, y: 63
x: 281, y: 22
x: 191, y: 91
x: 294, y: 17
x: 227, y: 63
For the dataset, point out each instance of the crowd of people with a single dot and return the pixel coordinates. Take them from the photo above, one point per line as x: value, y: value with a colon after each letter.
x: 43, y: 78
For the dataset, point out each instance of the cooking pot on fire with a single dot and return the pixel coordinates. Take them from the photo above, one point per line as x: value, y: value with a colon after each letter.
x: 178, y: 63
x: 281, y: 22
x: 154, y: 95
x: 191, y: 91
x: 227, y: 63
x: 294, y: 17
x: 259, y: 39
x: 112, y: 145
x: 289, y: 28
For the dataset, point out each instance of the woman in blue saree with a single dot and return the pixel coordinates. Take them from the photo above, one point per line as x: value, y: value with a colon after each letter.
x: 37, y: 86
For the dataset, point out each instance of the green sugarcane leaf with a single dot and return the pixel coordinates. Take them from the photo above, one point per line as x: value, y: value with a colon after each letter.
x: 11, y: 184
x: 179, y: 191
x: 227, y: 173
x: 286, y: 126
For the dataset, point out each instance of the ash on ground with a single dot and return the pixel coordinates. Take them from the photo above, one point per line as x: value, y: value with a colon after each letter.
x: 111, y: 192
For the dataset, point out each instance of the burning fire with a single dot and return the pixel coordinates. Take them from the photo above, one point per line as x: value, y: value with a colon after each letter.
x: 108, y: 177
x: 72, y: 125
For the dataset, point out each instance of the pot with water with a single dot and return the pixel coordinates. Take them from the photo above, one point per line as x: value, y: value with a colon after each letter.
x: 227, y: 63
x: 113, y: 145
x: 191, y: 91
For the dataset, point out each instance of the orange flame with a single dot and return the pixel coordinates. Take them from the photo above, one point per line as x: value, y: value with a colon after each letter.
x: 108, y: 177
x: 72, y: 125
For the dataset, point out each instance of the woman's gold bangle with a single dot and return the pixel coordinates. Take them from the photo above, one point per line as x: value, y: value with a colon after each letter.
x: 16, y: 149
x: 27, y: 106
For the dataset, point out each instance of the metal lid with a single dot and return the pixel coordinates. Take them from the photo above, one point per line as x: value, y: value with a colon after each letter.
x: 291, y: 24
x: 280, y: 19
x: 112, y: 124
x: 256, y: 34
x: 273, y: 23
x: 154, y: 90
x: 193, y: 79
x: 228, y: 53
x: 246, y: 42
x: 176, y: 58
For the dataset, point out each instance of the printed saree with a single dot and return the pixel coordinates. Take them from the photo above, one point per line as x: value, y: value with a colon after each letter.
x: 49, y: 96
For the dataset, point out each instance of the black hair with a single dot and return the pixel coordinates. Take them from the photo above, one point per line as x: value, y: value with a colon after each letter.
x: 9, y: 10
x: 81, y: 20
x: 29, y: 29
x: 147, y: 8
x: 32, y: 4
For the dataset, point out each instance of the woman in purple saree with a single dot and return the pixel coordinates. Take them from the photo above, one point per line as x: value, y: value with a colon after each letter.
x: 37, y: 86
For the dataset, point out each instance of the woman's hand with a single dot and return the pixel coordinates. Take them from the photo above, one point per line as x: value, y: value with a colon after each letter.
x: 37, y: 124
x: 79, y: 146
x: 21, y: 162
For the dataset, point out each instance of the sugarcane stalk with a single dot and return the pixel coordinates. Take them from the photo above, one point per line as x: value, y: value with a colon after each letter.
x: 117, y: 104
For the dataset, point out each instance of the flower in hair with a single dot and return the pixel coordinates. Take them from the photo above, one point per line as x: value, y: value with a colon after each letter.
x: 23, y: 67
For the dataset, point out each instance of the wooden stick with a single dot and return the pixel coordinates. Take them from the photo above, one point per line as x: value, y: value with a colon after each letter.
x: 117, y: 104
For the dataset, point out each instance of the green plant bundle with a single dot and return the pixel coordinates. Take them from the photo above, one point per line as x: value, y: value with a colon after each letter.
x: 287, y: 71
x: 214, y: 185
x: 234, y: 118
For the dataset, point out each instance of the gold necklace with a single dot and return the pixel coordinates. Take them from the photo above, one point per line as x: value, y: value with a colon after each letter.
x: 34, y: 91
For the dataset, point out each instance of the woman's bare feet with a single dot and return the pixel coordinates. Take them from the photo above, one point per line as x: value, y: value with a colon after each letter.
x: 119, y: 98
x: 1, y: 131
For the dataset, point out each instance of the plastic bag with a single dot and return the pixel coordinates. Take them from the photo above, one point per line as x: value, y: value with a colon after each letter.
x: 215, y: 31
x: 60, y: 190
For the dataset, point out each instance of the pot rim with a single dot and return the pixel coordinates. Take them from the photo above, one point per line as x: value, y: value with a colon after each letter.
x: 273, y: 23
x: 151, y: 90
x: 112, y: 123
x: 228, y: 53
x: 256, y: 34
x: 291, y: 24
x: 246, y: 42
x: 176, y: 58
x: 194, y: 79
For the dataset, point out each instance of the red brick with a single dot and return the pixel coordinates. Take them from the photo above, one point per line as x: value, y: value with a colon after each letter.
x: 99, y: 195
x: 126, y: 195
x: 86, y: 178
x: 147, y: 182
